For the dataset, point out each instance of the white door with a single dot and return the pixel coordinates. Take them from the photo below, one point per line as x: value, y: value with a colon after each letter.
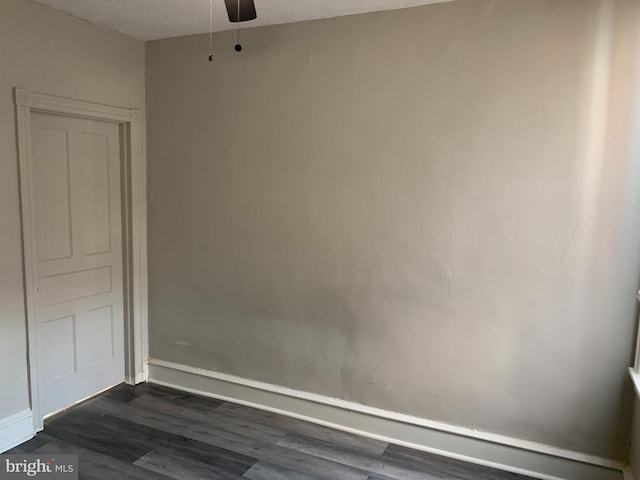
x: 78, y: 250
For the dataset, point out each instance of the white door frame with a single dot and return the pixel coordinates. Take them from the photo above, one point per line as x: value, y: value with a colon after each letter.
x: 134, y: 218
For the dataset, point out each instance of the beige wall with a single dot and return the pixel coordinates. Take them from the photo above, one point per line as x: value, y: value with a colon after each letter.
x: 429, y: 211
x: 634, y: 457
x: 52, y: 53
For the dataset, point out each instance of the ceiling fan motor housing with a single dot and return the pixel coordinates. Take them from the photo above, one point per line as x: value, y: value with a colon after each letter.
x: 246, y: 9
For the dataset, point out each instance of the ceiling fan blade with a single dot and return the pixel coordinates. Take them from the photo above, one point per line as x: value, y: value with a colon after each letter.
x: 247, y: 10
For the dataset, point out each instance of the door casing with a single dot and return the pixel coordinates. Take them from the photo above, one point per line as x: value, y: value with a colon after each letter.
x: 134, y: 226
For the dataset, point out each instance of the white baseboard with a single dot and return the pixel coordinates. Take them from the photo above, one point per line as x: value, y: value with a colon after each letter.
x: 139, y: 378
x: 498, y: 451
x: 15, y: 430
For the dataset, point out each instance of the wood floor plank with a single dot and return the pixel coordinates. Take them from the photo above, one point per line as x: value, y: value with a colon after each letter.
x: 179, y: 467
x: 382, y: 477
x: 172, y: 444
x: 417, y: 459
x: 16, y: 451
x: 121, y: 448
x: 149, y: 432
x: 27, y: 447
x: 208, y: 417
x: 269, y: 471
x: 181, y: 398
x: 159, y: 415
x: 293, y: 425
x: 367, y: 462
x: 249, y: 446
x: 95, y: 465
x: 124, y: 393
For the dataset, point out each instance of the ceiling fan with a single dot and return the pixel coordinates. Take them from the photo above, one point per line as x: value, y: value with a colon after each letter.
x: 241, y: 10
x: 238, y: 11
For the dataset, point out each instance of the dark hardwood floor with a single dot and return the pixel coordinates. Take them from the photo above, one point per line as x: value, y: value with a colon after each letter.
x: 151, y: 432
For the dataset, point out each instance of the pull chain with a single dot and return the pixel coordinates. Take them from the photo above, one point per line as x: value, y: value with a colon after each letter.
x: 238, y: 47
x: 211, y: 30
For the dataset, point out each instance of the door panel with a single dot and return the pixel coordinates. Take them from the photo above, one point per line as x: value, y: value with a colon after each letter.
x: 78, y: 241
x: 52, y: 196
x: 95, y: 191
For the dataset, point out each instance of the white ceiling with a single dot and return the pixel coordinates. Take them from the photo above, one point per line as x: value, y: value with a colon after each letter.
x: 153, y: 19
